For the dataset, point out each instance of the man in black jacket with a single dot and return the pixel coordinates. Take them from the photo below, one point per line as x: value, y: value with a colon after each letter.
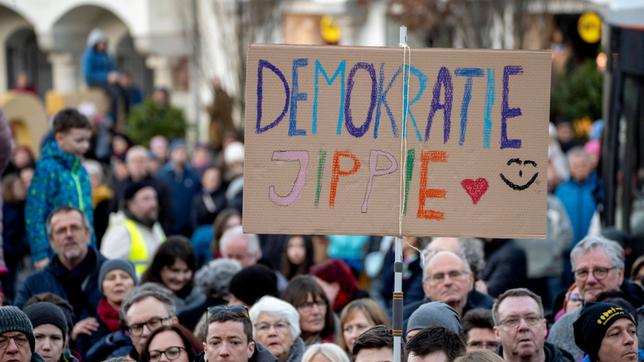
x: 73, y: 272
x: 521, y: 328
x: 448, y: 278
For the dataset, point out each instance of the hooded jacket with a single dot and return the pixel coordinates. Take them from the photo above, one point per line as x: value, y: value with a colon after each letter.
x: 96, y: 64
x: 59, y: 179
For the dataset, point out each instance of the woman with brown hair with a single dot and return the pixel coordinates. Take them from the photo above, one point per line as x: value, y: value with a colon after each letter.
x: 317, y: 321
x: 357, y: 317
x: 174, y: 342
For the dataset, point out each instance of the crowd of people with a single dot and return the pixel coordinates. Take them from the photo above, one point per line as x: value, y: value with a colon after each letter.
x: 141, y: 256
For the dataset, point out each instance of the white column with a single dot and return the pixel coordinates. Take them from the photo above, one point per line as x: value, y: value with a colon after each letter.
x: 65, y: 70
x: 162, y: 68
x: 373, y: 32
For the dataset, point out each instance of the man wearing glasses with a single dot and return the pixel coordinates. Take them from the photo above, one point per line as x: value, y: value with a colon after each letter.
x: 598, y: 266
x: 73, y: 271
x: 17, y: 341
x: 447, y: 278
x: 144, y: 310
x: 229, y: 337
x: 521, y: 328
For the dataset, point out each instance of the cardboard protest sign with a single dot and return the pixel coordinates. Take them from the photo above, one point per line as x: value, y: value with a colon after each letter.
x: 326, y: 150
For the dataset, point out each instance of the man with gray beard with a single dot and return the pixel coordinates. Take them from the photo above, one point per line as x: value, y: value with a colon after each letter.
x: 73, y: 271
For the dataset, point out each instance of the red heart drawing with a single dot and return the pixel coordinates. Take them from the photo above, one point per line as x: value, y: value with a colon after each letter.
x: 475, y: 188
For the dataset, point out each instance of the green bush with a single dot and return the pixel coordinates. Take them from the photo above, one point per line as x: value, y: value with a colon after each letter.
x: 148, y: 120
x: 579, y: 93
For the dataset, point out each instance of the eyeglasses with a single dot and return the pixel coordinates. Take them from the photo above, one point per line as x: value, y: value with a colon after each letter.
x: 279, y: 326
x: 514, y: 322
x: 19, y: 340
x: 171, y: 353
x: 152, y: 324
x: 452, y: 274
x: 307, y: 306
x: 234, y: 309
x: 599, y: 273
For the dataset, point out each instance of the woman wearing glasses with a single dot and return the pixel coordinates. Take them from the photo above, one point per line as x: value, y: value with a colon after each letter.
x: 277, y: 327
x: 171, y: 343
x: 317, y: 320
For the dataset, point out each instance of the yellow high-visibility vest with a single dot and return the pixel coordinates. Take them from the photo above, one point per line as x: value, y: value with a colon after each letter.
x: 138, y: 250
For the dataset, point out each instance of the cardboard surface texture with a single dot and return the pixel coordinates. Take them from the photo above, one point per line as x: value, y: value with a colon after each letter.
x: 326, y: 152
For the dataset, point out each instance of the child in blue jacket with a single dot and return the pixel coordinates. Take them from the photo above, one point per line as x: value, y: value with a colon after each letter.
x: 59, y: 179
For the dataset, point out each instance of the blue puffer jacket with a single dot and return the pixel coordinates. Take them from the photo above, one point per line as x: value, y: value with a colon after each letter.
x: 60, y: 179
x: 579, y: 201
x: 96, y: 66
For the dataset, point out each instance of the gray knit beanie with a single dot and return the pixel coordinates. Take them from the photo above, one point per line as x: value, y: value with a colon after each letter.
x: 435, y: 314
x: 113, y: 264
x: 47, y: 313
x: 12, y: 319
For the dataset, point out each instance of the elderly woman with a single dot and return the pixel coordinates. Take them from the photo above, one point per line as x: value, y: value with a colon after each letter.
x: 117, y: 277
x: 277, y: 327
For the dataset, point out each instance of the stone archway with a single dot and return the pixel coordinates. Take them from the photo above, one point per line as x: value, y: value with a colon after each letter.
x: 27, y: 117
x: 19, y: 51
x: 68, y: 37
x: 23, y: 55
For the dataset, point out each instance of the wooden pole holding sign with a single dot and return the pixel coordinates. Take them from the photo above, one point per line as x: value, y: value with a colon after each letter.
x: 368, y: 141
x: 398, y: 296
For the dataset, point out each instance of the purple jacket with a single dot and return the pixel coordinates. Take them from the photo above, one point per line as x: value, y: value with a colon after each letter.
x: 6, y: 147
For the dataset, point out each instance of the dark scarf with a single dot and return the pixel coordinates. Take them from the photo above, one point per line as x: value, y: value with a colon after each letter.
x: 72, y: 280
x: 108, y: 315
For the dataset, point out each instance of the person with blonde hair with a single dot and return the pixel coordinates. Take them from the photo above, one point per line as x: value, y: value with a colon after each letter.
x: 357, y: 317
x: 324, y: 352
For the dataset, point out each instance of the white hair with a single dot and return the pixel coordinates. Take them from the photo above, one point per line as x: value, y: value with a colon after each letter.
x: 136, y: 151
x: 272, y: 305
x: 330, y: 351
x: 235, y: 232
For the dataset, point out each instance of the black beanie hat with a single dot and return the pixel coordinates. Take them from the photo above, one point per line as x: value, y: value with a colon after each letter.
x: 47, y: 313
x: 132, y: 188
x: 12, y: 319
x: 252, y: 283
x: 592, y: 324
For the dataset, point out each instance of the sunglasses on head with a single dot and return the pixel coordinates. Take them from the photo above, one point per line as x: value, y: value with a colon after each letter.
x: 233, y: 309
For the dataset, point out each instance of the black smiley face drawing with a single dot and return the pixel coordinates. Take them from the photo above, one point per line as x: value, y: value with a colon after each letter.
x: 520, y: 184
